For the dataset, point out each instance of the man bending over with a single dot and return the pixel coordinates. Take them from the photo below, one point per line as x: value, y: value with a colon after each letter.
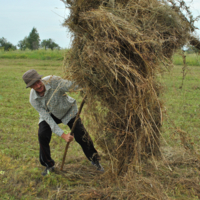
x: 48, y: 96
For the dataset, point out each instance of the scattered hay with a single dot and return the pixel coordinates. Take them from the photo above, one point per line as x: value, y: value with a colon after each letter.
x: 118, y: 49
x: 182, y: 181
x: 78, y: 181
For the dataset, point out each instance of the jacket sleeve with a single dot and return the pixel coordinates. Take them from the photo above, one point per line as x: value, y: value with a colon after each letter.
x: 47, y: 117
x: 66, y: 85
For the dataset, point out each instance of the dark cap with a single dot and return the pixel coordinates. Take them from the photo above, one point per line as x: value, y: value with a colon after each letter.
x: 30, y: 77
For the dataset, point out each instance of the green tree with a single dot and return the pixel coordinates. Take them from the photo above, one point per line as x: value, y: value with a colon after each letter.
x: 6, y: 45
x: 49, y: 44
x: 23, y: 44
x: 34, y: 39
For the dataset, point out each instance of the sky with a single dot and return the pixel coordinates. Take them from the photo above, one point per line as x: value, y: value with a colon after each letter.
x: 17, y: 18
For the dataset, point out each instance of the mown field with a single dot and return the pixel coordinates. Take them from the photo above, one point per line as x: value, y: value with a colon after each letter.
x: 20, y: 170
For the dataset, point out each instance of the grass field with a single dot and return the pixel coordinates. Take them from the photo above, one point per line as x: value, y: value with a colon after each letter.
x: 191, y: 59
x: 41, y: 54
x: 20, y: 171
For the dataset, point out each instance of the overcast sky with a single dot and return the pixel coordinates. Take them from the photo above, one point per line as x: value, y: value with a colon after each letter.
x: 17, y: 18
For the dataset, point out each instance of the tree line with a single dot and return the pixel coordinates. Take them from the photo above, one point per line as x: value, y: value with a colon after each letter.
x: 32, y: 42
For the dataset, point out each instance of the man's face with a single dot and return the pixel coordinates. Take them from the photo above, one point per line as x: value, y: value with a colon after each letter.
x: 38, y: 86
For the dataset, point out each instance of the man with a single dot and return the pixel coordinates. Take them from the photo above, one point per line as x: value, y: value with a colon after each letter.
x: 48, y: 96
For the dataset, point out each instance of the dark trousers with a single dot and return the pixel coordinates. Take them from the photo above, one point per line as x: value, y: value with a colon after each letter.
x: 80, y: 134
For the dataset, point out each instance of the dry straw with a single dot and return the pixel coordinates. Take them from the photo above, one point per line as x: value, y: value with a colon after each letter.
x: 118, y: 49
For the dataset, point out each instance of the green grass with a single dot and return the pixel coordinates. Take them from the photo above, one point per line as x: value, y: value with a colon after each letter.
x: 182, y: 104
x: 20, y: 170
x: 40, y: 54
x: 191, y: 59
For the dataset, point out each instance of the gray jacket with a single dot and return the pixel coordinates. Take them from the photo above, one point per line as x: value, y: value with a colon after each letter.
x: 54, y: 101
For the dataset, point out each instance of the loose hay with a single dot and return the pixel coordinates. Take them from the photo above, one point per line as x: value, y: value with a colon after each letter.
x: 118, y: 49
x: 195, y: 42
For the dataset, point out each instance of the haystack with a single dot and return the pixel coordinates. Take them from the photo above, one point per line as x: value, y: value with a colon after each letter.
x: 118, y: 48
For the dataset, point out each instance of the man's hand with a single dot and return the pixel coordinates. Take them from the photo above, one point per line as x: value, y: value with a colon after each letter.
x: 67, y: 137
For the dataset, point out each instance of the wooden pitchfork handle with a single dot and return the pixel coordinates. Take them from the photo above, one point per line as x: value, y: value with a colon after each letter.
x: 72, y: 130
